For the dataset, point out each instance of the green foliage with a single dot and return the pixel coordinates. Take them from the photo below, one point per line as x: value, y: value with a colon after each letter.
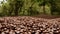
x: 29, y: 7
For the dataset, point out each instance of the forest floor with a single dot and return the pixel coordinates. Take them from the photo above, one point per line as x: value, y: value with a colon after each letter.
x: 30, y: 25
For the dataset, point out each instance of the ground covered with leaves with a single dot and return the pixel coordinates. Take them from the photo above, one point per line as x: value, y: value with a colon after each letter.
x: 29, y: 25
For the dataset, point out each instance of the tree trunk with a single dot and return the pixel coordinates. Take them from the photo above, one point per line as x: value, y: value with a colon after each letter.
x: 16, y: 10
x: 44, y: 7
x: 53, y: 6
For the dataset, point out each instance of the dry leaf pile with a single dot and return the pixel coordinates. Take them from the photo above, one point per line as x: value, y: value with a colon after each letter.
x: 29, y: 25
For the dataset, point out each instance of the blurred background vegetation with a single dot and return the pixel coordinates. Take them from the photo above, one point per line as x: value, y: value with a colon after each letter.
x: 29, y: 7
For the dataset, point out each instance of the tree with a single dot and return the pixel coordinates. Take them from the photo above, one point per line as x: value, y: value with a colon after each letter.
x: 42, y: 3
x: 53, y: 6
x: 15, y: 6
x: 31, y: 10
x: 18, y: 4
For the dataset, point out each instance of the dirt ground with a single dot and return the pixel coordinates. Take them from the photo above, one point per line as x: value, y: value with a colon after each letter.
x: 47, y: 16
